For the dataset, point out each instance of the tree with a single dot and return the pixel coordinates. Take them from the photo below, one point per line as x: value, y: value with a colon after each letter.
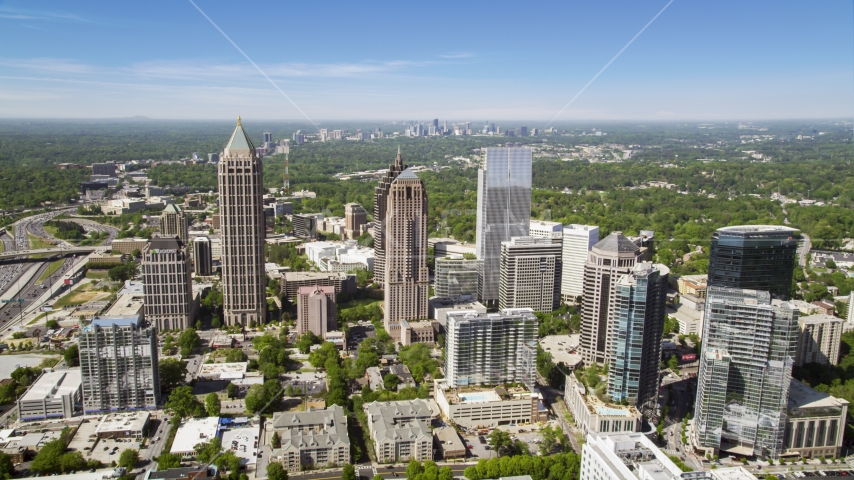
x: 500, y: 440
x: 72, y: 356
x: 413, y: 469
x: 49, y: 457
x: 183, y: 403
x: 256, y: 398
x: 52, y: 324
x: 235, y: 355
x: 275, y: 471
x: 212, y: 405
x: 445, y: 473
x: 391, y: 381
x: 231, y: 390
x: 673, y: 363
x: 830, y: 263
x: 129, y: 458
x: 6, y: 467
x: 349, y: 472
x: 168, y: 460
x: 172, y: 372
x: 306, y: 340
x: 71, y: 461
x: 276, y: 441
x: 188, y: 340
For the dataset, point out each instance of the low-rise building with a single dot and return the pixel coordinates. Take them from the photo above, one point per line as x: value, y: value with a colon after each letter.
x: 192, y: 432
x: 123, y: 425
x: 692, y: 285
x: 448, y: 444
x: 223, y: 371
x: 292, y: 281
x: 625, y: 456
x: 400, y: 430
x: 481, y: 407
x: 815, y: 423
x: 819, y: 337
x: 417, y: 331
x: 311, y: 439
x: 181, y: 473
x: 130, y: 304
x: 128, y: 245
x: 53, y: 395
x: 595, y: 416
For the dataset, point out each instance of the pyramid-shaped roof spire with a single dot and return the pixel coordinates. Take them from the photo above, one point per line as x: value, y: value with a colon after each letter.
x: 240, y: 143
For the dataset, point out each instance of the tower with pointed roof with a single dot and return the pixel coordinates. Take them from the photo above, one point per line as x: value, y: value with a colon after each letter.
x: 173, y: 223
x: 241, y: 209
x: 380, y: 204
x: 405, y: 265
x: 610, y: 259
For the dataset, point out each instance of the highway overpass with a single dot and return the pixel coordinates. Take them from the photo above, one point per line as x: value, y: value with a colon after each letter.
x: 6, y: 256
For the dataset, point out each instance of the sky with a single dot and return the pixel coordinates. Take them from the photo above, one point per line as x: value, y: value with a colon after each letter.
x: 456, y: 61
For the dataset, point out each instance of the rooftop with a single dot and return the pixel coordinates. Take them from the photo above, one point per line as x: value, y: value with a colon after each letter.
x: 819, y: 318
x: 616, y: 242
x: 54, y: 384
x: 224, y: 370
x: 312, y: 428
x: 193, y: 432
x: 132, y: 287
x: 400, y: 420
x: 239, y: 144
x: 123, y: 422
x: 802, y: 396
x: 118, y: 321
x: 757, y: 229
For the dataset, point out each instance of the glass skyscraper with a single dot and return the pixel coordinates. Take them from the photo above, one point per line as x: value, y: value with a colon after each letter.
x: 503, y: 210
x: 749, y: 344
x: 636, y: 346
x: 755, y: 257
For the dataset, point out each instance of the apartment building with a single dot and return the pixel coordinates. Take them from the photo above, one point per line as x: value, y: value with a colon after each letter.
x: 311, y: 439
x: 400, y: 430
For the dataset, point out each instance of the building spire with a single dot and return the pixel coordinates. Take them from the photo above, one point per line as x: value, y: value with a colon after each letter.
x: 238, y: 121
x: 398, y: 160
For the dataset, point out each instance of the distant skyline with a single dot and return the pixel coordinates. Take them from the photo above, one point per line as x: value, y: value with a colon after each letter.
x: 494, y: 61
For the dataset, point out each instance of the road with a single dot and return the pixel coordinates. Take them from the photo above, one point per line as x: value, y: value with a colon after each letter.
x: 367, y: 471
x: 804, y: 250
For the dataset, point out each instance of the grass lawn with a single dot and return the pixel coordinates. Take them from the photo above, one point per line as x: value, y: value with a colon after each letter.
x: 51, y: 269
x: 36, y: 242
x: 97, y: 274
x: 50, y: 230
x: 80, y: 296
x: 359, y: 302
x: 2, y: 247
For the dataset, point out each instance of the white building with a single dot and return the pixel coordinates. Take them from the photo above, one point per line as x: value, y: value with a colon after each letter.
x: 546, y: 229
x: 473, y: 407
x: 577, y: 242
x: 192, y: 432
x: 595, y: 416
x: 311, y: 439
x: 53, y: 395
x: 625, y: 456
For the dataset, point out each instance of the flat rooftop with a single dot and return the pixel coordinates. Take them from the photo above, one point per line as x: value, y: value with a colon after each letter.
x: 123, y: 422
x: 245, y: 438
x: 461, y: 395
x: 757, y: 229
x: 54, y: 384
x: 563, y: 348
x: 193, y: 432
x: 224, y: 370
x: 802, y: 396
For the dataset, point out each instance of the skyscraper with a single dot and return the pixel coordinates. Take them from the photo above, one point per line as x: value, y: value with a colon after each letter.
x: 316, y: 310
x: 530, y: 274
x: 756, y: 257
x: 406, y: 274
x: 503, y: 210
x: 355, y: 219
x: 608, y: 260
x: 577, y: 242
x: 173, y: 223
x: 636, y: 347
x: 167, y: 284
x: 380, y: 208
x: 202, y: 256
x: 749, y: 344
x: 118, y: 361
x: 268, y: 137
x: 455, y: 276
x: 241, y: 187
x: 488, y: 349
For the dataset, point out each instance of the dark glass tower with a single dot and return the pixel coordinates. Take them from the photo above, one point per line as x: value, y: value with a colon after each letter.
x: 754, y: 257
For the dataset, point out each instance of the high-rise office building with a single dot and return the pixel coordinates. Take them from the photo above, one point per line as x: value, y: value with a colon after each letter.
x: 108, y: 169
x: 202, y: 256
x: 167, y: 284
x: 268, y: 137
x: 530, y: 274
x: 406, y: 275
x: 756, y: 257
x: 241, y: 191
x: 305, y: 226
x: 455, y: 276
x: 380, y: 208
x: 523, y: 131
x: 749, y: 344
x: 546, y: 229
x: 503, y: 210
x: 577, y: 242
x: 488, y: 348
x: 636, y: 347
x: 173, y: 223
x: 608, y: 260
x: 355, y: 219
x: 316, y: 310
x: 118, y: 361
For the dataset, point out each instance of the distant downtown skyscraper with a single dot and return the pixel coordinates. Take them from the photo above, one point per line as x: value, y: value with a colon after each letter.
x: 202, y: 256
x: 749, y: 344
x: 577, y: 242
x: 530, y: 274
x: 503, y: 210
x: 380, y: 207
x: 755, y: 257
x: 406, y: 276
x: 241, y: 209
x: 607, y: 262
x: 173, y: 223
x: 641, y: 296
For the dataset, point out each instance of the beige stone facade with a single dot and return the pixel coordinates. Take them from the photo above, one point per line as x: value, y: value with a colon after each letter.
x: 168, y: 290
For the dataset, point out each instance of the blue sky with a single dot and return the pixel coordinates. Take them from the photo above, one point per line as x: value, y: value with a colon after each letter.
x: 712, y: 60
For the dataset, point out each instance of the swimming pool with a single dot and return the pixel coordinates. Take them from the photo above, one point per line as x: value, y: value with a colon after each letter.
x: 472, y: 397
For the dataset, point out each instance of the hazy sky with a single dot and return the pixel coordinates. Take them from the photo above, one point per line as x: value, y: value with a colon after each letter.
x: 459, y: 60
